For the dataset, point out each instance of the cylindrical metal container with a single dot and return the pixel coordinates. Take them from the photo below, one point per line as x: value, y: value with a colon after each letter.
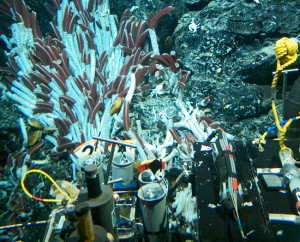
x: 146, y: 177
x: 86, y: 161
x: 122, y: 167
x: 154, y: 209
x: 100, y: 200
x: 103, y: 210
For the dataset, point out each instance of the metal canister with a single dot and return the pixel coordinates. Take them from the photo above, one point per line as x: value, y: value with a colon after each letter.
x: 122, y: 167
x: 154, y: 209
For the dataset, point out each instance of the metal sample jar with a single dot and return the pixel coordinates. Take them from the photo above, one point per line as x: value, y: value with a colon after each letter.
x: 122, y: 167
x: 154, y: 209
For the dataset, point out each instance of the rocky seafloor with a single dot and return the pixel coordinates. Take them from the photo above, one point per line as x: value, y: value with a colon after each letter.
x: 230, y: 53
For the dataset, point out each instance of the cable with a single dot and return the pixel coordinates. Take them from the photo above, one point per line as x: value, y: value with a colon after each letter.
x: 51, y: 180
x: 282, y: 129
x: 286, y: 53
x: 231, y: 180
x: 262, y: 139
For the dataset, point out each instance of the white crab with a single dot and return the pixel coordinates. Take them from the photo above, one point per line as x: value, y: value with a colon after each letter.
x: 160, y: 89
x: 193, y: 26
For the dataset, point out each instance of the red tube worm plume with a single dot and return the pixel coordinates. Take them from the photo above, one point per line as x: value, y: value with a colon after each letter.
x: 138, y: 139
x: 209, y: 122
x: 65, y: 143
x: 154, y: 18
x: 126, y: 116
x: 35, y: 147
x: 20, y: 160
x: 175, y: 135
x: 189, y: 141
x: 166, y: 60
x: 56, y: 3
x: 192, y: 138
x: 5, y: 8
x: 10, y: 162
x: 184, y: 79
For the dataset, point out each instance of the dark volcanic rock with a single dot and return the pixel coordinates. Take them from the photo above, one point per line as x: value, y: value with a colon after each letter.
x: 10, y: 137
x: 235, y: 40
x: 232, y: 47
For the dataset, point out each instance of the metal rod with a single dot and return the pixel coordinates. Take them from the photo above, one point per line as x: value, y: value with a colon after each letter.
x: 115, y: 142
x: 126, y: 191
x: 275, y: 171
x: 287, y: 71
x: 284, y: 218
x: 115, y: 180
x: 15, y: 226
x: 109, y: 163
x: 284, y: 84
x: 123, y: 205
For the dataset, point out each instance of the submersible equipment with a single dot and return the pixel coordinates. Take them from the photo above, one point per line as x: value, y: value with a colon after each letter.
x: 86, y: 230
x: 100, y: 200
